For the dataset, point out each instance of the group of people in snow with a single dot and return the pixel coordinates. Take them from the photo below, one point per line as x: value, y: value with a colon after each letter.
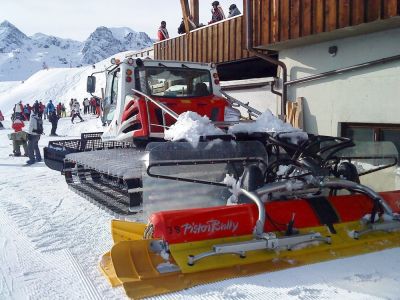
x: 28, y: 139
x: 90, y: 106
x: 217, y: 14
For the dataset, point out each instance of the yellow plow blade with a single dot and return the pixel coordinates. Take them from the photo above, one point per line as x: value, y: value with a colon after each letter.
x: 135, y: 264
x: 126, y: 231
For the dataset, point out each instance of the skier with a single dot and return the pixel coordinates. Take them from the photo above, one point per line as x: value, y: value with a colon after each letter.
x: 50, y: 108
x: 27, y: 111
x: 1, y: 120
x: 76, y: 111
x: 53, y: 119
x: 19, y: 111
x: 34, y: 133
x: 63, y: 111
x: 98, y: 112
x: 19, y: 138
x: 42, y: 108
x: 86, y: 105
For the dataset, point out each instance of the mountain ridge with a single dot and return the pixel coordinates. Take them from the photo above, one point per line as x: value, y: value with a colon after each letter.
x: 22, y: 55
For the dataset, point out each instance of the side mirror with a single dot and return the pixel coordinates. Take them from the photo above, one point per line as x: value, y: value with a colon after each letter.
x: 91, y: 84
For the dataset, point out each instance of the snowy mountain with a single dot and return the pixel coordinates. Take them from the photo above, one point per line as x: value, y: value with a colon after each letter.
x: 104, y: 42
x: 21, y: 56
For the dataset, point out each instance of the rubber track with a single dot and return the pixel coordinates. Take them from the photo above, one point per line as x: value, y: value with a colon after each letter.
x: 110, y: 202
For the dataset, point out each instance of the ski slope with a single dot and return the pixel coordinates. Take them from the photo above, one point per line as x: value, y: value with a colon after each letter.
x: 51, y: 240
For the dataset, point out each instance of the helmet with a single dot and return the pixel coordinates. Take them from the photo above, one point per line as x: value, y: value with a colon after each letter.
x: 215, y: 3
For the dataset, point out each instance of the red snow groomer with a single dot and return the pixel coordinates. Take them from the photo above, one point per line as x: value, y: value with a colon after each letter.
x: 141, y: 98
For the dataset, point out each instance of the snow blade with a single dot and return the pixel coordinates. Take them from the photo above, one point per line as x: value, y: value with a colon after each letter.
x: 125, y: 231
x: 139, y: 266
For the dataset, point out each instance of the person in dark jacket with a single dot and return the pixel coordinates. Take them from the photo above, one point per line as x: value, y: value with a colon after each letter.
x: 53, y: 118
x: 233, y: 11
x: 192, y: 26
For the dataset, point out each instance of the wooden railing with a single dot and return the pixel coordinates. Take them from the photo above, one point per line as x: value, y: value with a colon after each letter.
x: 274, y: 21
x: 147, y: 52
x: 219, y: 42
x: 280, y: 20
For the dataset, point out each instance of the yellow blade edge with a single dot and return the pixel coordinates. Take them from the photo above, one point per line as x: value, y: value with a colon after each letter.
x: 126, y: 231
x: 136, y: 267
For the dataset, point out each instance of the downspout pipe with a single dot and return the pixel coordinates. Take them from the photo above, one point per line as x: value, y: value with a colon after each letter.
x: 249, y: 45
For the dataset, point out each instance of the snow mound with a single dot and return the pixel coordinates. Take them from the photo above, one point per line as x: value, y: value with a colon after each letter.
x: 267, y: 122
x: 191, y: 126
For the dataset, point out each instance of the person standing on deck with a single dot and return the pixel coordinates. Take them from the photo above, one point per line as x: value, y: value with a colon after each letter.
x: 163, y: 32
x: 217, y: 13
x: 233, y: 11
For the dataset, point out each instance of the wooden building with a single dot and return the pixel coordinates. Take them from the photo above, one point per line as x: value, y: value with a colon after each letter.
x: 341, y: 56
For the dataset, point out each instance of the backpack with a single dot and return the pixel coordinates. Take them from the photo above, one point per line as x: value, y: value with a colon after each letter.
x: 39, y: 126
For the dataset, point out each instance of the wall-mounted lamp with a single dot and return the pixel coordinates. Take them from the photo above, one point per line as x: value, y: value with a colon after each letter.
x: 333, y: 50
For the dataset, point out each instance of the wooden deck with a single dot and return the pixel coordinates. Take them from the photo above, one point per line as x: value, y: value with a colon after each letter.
x: 274, y: 22
x: 220, y: 42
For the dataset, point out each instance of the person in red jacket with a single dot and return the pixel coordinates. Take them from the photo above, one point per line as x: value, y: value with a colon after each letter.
x: 163, y: 32
x: 42, y: 107
x: 217, y: 13
x: 19, y: 138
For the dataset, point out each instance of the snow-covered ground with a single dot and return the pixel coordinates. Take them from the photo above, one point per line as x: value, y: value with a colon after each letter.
x: 51, y: 240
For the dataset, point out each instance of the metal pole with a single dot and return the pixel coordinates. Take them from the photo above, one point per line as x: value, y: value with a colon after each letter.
x: 343, y: 70
x: 249, y: 27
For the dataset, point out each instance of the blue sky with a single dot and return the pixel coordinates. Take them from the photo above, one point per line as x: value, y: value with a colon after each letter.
x: 76, y: 19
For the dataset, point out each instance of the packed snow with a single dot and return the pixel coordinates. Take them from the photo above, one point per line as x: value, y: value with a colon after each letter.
x: 52, y: 239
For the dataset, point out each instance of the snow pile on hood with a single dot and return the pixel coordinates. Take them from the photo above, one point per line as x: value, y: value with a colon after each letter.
x: 191, y: 126
x: 267, y: 122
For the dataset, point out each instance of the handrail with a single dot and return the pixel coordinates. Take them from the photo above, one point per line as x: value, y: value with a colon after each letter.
x: 160, y: 105
x: 252, y: 111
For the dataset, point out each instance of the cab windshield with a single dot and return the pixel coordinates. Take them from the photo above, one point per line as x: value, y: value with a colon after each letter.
x: 110, y: 100
x: 177, y: 82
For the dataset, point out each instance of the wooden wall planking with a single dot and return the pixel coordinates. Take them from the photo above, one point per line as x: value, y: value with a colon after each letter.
x: 284, y: 15
x: 344, y: 13
x: 295, y: 19
x: 307, y: 19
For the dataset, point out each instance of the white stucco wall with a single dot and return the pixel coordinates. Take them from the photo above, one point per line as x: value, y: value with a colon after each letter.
x: 258, y: 98
x: 369, y: 95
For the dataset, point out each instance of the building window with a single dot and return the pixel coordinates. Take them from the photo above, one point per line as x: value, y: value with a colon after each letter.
x: 371, y: 132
